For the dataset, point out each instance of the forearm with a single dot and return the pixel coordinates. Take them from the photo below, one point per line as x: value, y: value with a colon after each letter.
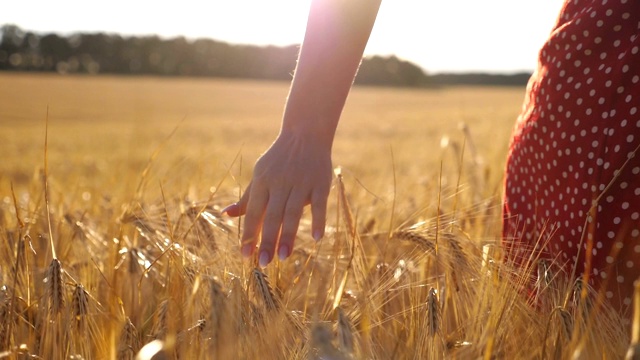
x: 337, y: 33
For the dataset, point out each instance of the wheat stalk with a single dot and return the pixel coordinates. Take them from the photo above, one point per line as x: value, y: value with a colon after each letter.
x: 5, y: 318
x: 159, y: 329
x: 344, y: 204
x: 425, y: 243
x: 129, y: 342
x: 239, y: 306
x: 264, y: 290
x: 458, y: 261
x: 433, y: 313
x: 544, y: 274
x: 54, y: 286
x: 216, y: 310
x: 543, y: 285
x: 567, y: 323
x: 203, y: 221
x: 581, y: 300
x: 80, y: 306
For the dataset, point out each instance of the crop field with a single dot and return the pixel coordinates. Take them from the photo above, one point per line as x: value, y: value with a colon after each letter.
x: 112, y: 245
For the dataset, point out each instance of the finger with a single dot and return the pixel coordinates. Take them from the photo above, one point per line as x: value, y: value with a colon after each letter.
x: 256, y: 204
x: 232, y: 210
x: 318, y: 212
x: 271, y: 226
x: 290, y: 222
x: 239, y: 208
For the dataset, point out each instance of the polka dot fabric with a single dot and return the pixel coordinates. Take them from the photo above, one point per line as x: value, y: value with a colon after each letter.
x: 572, y: 188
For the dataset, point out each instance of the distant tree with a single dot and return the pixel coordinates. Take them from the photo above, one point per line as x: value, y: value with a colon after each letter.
x: 151, y: 55
x: 56, y: 51
x: 379, y: 70
x: 517, y: 79
x: 11, y: 37
x: 11, y: 41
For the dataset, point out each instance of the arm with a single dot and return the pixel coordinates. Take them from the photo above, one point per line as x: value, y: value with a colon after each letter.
x: 296, y: 170
x: 337, y: 33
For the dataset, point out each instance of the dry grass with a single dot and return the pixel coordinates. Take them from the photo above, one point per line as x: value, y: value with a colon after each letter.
x: 411, y: 266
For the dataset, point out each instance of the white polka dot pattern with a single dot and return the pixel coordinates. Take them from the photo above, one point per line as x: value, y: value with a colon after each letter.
x: 572, y: 178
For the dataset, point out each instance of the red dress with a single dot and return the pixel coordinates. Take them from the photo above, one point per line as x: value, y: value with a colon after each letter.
x: 572, y: 189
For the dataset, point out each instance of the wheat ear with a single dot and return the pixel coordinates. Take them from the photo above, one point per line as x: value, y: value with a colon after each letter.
x: 264, y: 290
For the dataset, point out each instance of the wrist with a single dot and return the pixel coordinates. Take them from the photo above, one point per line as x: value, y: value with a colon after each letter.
x: 309, y: 125
x: 309, y: 138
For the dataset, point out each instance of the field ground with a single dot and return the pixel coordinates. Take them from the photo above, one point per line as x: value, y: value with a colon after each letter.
x: 400, y: 151
x: 104, y: 128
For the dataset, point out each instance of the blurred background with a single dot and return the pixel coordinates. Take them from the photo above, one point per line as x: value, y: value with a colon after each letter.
x: 219, y: 71
x: 257, y: 39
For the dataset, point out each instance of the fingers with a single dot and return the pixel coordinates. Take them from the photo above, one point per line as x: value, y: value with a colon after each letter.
x: 232, y: 210
x: 290, y: 222
x: 277, y: 216
x: 318, y: 212
x: 255, y: 207
x: 239, y: 208
x: 271, y: 226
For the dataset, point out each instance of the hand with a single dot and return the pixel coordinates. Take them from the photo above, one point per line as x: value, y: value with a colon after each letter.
x: 294, y: 172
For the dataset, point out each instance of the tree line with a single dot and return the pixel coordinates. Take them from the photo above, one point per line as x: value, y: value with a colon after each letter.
x: 101, y: 53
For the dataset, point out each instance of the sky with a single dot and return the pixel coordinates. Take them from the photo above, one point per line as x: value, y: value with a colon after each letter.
x: 500, y: 36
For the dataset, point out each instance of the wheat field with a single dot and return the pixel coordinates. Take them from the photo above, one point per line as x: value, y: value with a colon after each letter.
x: 113, y: 245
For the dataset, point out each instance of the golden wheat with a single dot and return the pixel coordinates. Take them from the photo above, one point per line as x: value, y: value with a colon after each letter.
x: 264, y: 290
x: 143, y: 255
x: 55, y: 291
x: 129, y: 342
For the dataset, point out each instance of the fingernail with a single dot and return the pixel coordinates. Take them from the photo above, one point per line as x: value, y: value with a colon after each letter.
x: 247, y: 250
x: 264, y: 259
x: 228, y: 208
x: 283, y: 253
x: 317, y: 235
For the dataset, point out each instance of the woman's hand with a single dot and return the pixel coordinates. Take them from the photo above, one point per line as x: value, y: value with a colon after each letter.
x: 294, y: 172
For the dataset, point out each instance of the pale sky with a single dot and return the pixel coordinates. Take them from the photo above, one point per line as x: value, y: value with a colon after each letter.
x: 438, y: 35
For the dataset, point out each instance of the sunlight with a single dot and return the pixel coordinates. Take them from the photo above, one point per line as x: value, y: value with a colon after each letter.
x: 492, y: 35
x: 248, y: 21
x: 466, y: 35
